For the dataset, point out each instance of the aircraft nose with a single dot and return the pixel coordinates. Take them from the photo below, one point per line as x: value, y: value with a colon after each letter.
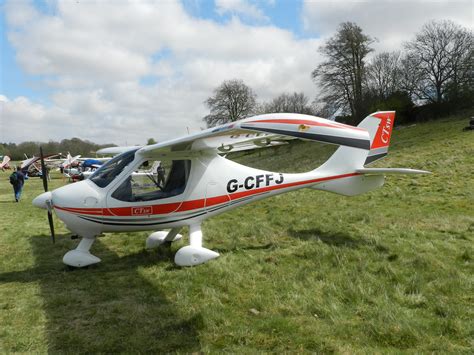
x: 40, y: 201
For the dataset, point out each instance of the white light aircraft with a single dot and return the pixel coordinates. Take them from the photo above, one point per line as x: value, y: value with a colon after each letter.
x: 200, y: 183
x: 69, y: 161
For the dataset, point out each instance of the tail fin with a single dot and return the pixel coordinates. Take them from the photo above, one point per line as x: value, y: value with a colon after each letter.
x: 379, y: 125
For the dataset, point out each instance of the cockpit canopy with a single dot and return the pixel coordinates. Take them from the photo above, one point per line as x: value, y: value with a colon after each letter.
x: 110, y: 170
x: 168, y: 179
x: 152, y: 180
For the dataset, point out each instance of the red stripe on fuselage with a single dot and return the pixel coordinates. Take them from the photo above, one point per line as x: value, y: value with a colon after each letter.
x: 167, y: 208
x: 91, y: 211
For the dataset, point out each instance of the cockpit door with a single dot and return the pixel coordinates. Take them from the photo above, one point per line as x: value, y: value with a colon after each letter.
x: 141, y: 194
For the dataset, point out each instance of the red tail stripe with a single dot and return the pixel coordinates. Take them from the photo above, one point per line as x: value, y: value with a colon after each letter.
x: 384, y: 131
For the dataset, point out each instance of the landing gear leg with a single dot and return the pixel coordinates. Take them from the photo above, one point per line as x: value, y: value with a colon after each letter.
x: 194, y: 253
x: 81, y: 256
x: 158, y: 238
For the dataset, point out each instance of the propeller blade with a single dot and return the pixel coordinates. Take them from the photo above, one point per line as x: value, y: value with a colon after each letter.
x: 44, y: 176
x: 43, y: 171
x: 51, y: 225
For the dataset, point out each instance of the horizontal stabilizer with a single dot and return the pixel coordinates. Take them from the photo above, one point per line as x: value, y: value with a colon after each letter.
x: 381, y: 171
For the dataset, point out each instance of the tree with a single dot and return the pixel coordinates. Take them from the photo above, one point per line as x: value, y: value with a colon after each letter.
x: 74, y: 146
x: 232, y: 101
x: 441, y: 56
x: 384, y: 74
x: 341, y: 76
x: 151, y: 141
x: 410, y: 77
x: 286, y: 102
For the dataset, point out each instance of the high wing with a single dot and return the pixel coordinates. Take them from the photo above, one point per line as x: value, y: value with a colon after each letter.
x: 27, y: 162
x: 116, y: 150
x: 257, y: 132
x: 31, y: 161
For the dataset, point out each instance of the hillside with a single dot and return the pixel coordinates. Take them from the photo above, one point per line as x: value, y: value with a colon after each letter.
x: 307, y: 271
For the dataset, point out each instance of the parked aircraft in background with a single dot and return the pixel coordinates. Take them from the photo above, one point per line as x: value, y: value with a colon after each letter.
x: 199, y: 183
x: 32, y: 167
x: 5, y: 163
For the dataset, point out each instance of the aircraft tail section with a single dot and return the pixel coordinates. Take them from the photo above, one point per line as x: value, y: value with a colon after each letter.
x: 352, y: 185
x: 379, y: 126
x: 349, y: 159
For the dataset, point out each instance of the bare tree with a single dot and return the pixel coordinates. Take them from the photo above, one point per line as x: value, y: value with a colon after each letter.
x: 384, y: 74
x: 286, y: 102
x: 342, y: 74
x: 439, y: 56
x: 411, y: 79
x: 232, y: 101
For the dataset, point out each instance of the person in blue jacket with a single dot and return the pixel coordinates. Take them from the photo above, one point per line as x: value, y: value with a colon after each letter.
x: 17, y: 179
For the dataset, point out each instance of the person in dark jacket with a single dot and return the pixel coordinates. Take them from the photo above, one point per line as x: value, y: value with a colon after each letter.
x: 18, y: 183
x: 161, y: 175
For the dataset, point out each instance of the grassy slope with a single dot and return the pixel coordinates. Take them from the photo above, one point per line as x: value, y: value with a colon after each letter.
x: 388, y: 270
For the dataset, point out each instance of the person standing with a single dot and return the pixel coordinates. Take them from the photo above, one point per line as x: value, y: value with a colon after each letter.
x: 17, y: 179
x: 161, y: 175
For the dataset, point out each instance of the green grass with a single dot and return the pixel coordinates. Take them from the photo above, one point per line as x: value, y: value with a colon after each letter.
x: 387, y: 272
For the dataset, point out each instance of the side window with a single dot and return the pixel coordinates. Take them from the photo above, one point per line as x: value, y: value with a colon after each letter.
x: 155, y: 180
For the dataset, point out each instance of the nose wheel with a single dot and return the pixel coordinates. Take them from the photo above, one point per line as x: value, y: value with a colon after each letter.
x: 81, y: 257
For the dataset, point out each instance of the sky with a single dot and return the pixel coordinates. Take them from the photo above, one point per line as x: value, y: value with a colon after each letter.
x: 124, y: 71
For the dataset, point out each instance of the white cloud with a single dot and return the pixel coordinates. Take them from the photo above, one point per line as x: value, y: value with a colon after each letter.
x: 97, y: 56
x: 126, y: 71
x: 240, y: 7
x: 20, y: 13
x: 391, y: 22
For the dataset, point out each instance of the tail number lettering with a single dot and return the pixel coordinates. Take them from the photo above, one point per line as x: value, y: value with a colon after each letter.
x: 254, y: 182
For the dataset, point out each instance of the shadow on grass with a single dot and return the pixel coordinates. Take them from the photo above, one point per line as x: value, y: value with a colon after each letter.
x: 337, y: 239
x: 109, y: 307
x: 268, y: 246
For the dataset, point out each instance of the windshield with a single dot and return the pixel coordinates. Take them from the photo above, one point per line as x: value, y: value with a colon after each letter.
x: 107, y: 172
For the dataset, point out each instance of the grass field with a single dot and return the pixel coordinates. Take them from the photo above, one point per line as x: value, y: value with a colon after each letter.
x: 387, y: 272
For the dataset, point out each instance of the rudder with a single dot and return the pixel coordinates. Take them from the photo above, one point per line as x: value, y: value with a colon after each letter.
x: 380, y: 126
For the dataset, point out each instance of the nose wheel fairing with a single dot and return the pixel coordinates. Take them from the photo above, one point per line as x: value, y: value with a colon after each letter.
x: 81, y: 256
